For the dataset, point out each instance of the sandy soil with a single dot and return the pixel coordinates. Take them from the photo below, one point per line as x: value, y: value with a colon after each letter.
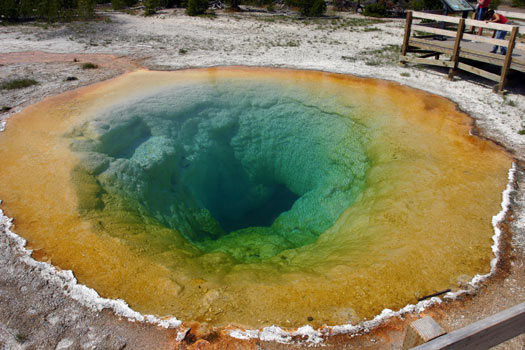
x: 35, y: 313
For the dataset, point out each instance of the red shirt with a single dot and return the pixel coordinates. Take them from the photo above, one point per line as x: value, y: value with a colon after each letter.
x: 502, y: 19
x: 483, y: 4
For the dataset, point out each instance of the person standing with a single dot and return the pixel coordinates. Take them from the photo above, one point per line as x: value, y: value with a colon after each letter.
x: 482, y: 8
x: 494, y: 17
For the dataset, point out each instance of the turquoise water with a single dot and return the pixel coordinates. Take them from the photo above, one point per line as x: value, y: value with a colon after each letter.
x: 246, y: 169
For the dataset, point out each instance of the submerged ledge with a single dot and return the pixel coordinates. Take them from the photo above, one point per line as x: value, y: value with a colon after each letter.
x: 90, y: 298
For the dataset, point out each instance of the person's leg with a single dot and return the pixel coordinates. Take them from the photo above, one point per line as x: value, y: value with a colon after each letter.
x: 500, y: 34
x: 478, y: 15
x: 474, y: 16
x: 495, y: 47
x: 481, y: 17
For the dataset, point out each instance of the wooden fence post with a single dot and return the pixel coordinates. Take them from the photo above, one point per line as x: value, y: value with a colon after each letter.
x: 508, y: 60
x: 421, y: 331
x: 408, y: 26
x: 457, y: 47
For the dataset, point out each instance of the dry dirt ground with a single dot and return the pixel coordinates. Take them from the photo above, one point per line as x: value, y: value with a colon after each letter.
x: 35, y: 311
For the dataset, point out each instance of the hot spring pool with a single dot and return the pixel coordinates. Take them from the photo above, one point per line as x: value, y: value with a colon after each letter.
x: 254, y: 196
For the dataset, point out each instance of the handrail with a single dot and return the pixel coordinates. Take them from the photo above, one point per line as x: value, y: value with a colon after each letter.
x: 483, y: 334
x: 439, y: 18
x: 510, y: 14
x: 468, y: 22
x: 519, y: 16
x: 453, y: 34
x: 497, y: 26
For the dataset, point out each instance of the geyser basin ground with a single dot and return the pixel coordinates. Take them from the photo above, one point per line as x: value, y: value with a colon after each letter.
x: 254, y: 196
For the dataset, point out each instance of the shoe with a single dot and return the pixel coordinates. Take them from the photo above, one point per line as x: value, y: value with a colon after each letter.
x: 503, y: 53
x: 493, y: 51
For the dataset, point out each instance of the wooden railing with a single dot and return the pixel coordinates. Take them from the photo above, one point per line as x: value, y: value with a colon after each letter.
x: 425, y: 45
x: 483, y: 334
x: 517, y: 16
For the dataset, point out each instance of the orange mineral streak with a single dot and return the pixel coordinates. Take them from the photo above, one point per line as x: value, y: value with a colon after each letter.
x: 360, y: 266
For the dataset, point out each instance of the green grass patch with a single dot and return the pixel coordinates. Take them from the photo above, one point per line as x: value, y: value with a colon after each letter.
x: 349, y: 58
x: 89, y: 65
x: 360, y: 22
x: 273, y: 18
x: 322, y: 23
x: 17, y: 84
x: 386, y: 55
x: 209, y: 14
x: 373, y: 62
x: 372, y: 29
x: 21, y: 338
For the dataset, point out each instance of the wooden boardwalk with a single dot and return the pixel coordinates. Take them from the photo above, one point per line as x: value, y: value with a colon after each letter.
x: 482, y: 335
x: 458, y: 46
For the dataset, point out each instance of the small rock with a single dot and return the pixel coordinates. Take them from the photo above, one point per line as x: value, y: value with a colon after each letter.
x: 201, y: 345
x: 190, y: 338
x: 201, y: 330
x: 53, y: 320
x: 64, y: 344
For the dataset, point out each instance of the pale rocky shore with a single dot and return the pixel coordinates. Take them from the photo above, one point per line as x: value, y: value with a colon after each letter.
x: 36, y: 313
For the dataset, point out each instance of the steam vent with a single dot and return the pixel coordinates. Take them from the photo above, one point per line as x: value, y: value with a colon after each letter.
x: 254, y: 196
